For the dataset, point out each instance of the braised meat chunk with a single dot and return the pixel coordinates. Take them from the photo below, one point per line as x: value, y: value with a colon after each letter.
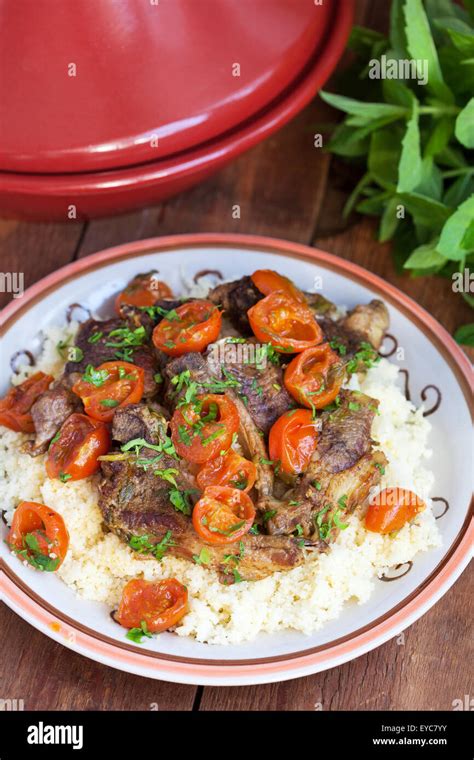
x: 49, y: 412
x: 236, y: 298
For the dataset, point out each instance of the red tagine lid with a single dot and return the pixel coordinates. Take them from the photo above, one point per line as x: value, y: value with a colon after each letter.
x: 102, y: 84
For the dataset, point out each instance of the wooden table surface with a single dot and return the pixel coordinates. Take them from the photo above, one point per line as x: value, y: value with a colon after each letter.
x: 285, y: 188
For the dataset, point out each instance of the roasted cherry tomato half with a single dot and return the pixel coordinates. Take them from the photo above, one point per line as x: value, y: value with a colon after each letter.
x: 287, y: 324
x: 75, y: 450
x: 391, y: 509
x: 223, y: 515
x: 143, y: 290
x: 292, y: 440
x: 266, y: 281
x: 159, y: 604
x: 109, y: 386
x: 38, y: 535
x: 15, y: 406
x: 314, y: 377
x: 193, y: 326
x: 229, y: 469
x: 204, y: 427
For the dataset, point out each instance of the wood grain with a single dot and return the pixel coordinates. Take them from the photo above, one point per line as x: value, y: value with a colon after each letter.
x: 284, y: 188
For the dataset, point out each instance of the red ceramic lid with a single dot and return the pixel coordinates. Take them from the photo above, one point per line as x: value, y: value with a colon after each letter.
x: 94, y: 85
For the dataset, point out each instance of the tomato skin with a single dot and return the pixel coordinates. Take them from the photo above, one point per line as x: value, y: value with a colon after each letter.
x: 142, y: 290
x: 287, y: 324
x: 75, y: 453
x: 391, y: 509
x: 218, y: 510
x: 307, y: 372
x: 15, y: 406
x: 292, y: 440
x: 30, y: 517
x: 226, y: 470
x: 190, y: 442
x: 198, y: 325
x: 123, y: 390
x: 161, y: 604
x: 267, y: 280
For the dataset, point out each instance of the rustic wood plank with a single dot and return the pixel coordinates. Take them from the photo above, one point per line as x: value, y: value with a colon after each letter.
x: 424, y: 669
x: 36, y: 249
x: 49, y: 677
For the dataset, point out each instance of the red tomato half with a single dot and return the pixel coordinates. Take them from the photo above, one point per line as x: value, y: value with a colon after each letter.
x: 38, y: 535
x: 266, y: 280
x: 314, y: 377
x: 223, y: 515
x: 193, y: 326
x: 391, y: 509
x: 143, y: 290
x: 15, y: 406
x: 75, y: 450
x: 160, y: 604
x: 292, y: 441
x: 109, y: 386
x: 287, y: 324
x: 204, y: 427
x: 227, y: 470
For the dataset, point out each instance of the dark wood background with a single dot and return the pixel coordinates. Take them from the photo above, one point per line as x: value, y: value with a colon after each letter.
x: 287, y: 189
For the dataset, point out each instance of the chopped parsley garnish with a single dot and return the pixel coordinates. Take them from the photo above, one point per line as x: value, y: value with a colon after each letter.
x: 317, y: 485
x: 126, y: 337
x: 168, y: 475
x: 298, y: 530
x: 158, y: 377
x: 180, y: 500
x: 254, y: 530
x: 268, y: 515
x: 157, y: 311
x: 95, y: 337
x: 136, y: 634
x: 366, y: 355
x: 96, y: 377
x: 109, y: 402
x: 380, y: 467
x: 64, y: 477
x: 203, y: 558
x: 338, y: 346
x: 142, y: 545
x: 353, y: 406
x: 34, y: 556
x: 56, y: 438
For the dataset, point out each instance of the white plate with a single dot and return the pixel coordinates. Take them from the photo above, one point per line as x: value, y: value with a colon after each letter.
x: 432, y: 358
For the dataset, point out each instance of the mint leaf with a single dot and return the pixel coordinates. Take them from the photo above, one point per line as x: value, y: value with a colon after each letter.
x: 464, y: 129
x: 409, y: 168
x: 465, y: 335
x: 452, y: 242
x: 425, y: 257
x: 421, y: 47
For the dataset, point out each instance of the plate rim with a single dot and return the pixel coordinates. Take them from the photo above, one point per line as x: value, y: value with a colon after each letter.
x: 33, y: 608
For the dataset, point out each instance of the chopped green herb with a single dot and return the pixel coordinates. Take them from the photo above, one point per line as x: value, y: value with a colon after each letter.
x: 95, y: 377
x: 136, y: 634
x: 268, y: 515
x: 95, y: 337
x: 109, y: 402
x: 203, y: 558
x: 64, y: 477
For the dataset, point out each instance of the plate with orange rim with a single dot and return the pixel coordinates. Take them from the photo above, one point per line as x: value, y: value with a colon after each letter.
x: 439, y: 374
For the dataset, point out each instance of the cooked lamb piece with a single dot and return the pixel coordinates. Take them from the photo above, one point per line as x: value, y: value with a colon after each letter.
x: 150, y: 319
x: 253, y: 443
x: 259, y: 383
x: 370, y: 321
x: 343, y: 467
x: 366, y: 323
x: 183, y: 370
x: 236, y: 298
x: 93, y: 338
x: 147, y: 421
x: 136, y: 502
x: 49, y: 412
